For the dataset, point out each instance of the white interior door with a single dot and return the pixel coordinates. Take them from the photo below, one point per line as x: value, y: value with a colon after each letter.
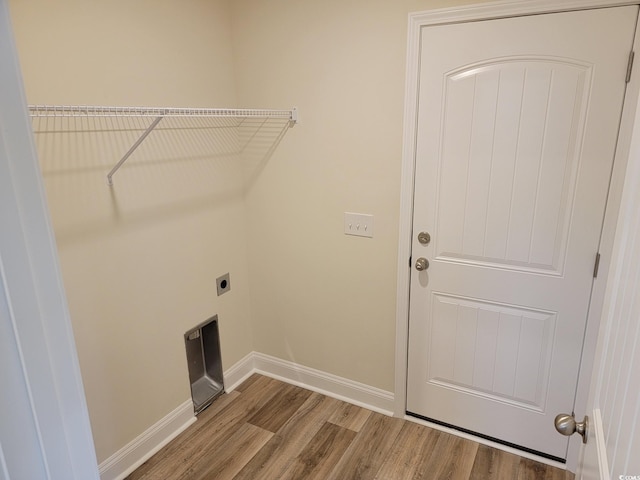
x: 517, y: 128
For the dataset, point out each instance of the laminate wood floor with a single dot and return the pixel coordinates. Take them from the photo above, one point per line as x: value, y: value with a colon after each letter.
x: 267, y: 429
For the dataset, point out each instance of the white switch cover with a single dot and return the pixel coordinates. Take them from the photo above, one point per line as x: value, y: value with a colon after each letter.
x: 358, y: 224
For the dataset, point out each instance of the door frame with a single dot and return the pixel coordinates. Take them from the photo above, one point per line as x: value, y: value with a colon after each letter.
x: 32, y: 283
x: 488, y: 11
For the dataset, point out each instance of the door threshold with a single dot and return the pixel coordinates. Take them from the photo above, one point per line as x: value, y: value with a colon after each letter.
x: 520, y: 450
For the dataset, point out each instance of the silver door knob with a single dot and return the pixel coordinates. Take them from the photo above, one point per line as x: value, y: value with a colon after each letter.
x: 424, y: 238
x: 422, y: 264
x: 567, y: 425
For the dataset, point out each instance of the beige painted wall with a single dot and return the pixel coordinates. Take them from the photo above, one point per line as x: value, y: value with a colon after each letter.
x: 142, y: 258
x: 139, y: 260
x: 321, y: 298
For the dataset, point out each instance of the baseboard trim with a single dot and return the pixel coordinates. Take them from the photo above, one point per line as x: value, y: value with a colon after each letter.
x: 316, y: 380
x: 325, y: 383
x: 239, y: 372
x: 138, y: 451
x: 143, y: 447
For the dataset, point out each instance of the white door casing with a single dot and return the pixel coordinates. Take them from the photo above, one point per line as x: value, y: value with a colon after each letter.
x: 15, y: 406
x: 515, y: 213
x: 614, y: 402
x: 45, y: 431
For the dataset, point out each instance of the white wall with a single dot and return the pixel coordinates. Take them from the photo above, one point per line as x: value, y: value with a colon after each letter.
x: 143, y: 257
x: 320, y: 298
x: 139, y: 260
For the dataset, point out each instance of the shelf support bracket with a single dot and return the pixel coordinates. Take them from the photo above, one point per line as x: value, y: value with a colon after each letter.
x: 132, y: 149
x: 294, y: 117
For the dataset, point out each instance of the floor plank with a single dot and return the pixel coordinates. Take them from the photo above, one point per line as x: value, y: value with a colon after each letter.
x: 276, y: 455
x: 275, y: 413
x: 350, y: 416
x: 237, y: 451
x: 410, y: 454
x: 270, y: 430
x: 183, y: 445
x: 321, y: 454
x: 492, y: 464
x: 214, y: 435
x: 366, y: 454
x: 452, y: 458
x: 248, y: 382
x: 532, y: 470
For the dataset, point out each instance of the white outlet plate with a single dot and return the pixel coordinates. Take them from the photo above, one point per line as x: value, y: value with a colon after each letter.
x: 223, y: 284
x: 359, y: 224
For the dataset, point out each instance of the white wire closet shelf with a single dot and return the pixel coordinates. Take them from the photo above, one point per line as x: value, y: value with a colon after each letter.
x: 157, y: 113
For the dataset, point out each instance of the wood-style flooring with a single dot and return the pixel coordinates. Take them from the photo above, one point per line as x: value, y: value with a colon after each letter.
x: 267, y: 429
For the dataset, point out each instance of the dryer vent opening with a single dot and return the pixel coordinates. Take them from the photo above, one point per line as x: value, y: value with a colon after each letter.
x: 205, y: 363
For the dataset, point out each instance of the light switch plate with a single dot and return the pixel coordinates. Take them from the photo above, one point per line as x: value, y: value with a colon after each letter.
x: 359, y: 224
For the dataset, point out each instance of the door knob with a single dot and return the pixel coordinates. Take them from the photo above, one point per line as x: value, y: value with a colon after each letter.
x: 422, y: 264
x: 567, y: 425
x: 424, y: 238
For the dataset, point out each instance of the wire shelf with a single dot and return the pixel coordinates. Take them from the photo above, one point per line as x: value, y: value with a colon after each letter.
x: 102, y: 111
x: 157, y: 113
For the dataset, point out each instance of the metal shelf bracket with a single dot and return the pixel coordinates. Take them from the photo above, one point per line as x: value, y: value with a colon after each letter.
x: 132, y: 149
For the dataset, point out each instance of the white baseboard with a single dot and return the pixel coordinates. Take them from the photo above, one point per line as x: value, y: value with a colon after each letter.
x: 239, y: 372
x: 322, y: 382
x: 138, y: 451
x: 331, y: 385
x: 134, y: 454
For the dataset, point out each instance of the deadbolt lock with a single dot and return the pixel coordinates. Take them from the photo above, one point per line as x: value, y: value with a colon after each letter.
x: 424, y: 238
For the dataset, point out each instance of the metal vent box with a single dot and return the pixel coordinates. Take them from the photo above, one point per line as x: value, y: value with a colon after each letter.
x: 205, y: 363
